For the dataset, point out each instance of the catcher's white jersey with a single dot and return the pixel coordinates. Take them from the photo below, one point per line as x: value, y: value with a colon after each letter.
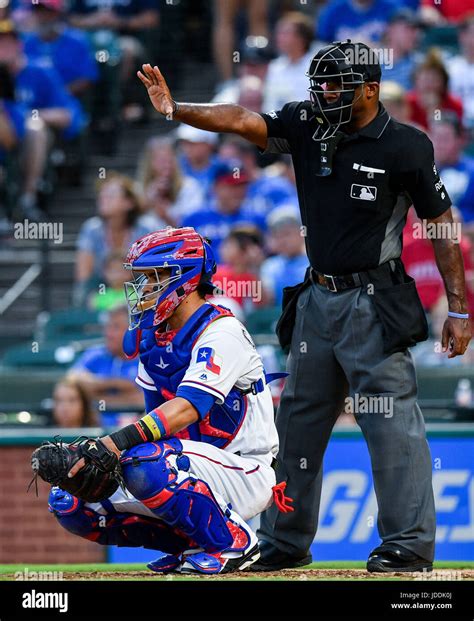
x: 235, y: 362
x: 241, y: 474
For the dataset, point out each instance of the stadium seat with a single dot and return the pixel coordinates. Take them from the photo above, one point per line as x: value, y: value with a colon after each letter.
x: 47, y: 356
x: 69, y: 325
x: 263, y: 321
x: 261, y: 325
x: 441, y: 382
x: 16, y: 392
x: 445, y: 37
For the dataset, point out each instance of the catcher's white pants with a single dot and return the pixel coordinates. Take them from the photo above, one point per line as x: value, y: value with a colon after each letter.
x: 245, y: 482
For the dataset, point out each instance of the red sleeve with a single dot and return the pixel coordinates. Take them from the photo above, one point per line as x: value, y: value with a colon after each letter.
x: 455, y: 104
x: 417, y: 114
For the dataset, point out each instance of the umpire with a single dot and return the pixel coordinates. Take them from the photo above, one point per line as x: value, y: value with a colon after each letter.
x: 348, y: 326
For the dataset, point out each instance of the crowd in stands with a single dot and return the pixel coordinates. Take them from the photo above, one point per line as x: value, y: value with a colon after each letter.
x: 54, y: 83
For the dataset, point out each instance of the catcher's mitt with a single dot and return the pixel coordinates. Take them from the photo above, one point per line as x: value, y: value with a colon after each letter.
x: 96, y: 481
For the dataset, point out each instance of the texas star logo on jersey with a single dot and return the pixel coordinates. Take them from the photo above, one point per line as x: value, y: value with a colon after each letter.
x: 212, y: 360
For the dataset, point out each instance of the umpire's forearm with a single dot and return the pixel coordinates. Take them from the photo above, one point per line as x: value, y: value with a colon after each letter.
x: 451, y: 267
x: 218, y: 117
x: 224, y: 118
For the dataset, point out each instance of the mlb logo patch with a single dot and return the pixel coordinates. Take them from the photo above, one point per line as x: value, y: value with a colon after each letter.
x: 212, y: 360
x: 363, y: 192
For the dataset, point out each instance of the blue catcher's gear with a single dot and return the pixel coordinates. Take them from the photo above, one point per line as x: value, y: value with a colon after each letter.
x: 221, y: 423
x: 114, y: 528
x: 154, y: 473
x: 188, y: 262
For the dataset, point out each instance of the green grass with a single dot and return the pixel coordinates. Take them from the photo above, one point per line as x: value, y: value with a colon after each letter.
x: 119, y: 571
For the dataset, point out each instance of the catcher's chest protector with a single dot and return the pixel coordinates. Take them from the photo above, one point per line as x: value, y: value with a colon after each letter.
x: 166, y: 357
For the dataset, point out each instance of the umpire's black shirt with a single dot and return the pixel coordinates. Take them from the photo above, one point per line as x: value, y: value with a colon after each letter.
x: 353, y: 217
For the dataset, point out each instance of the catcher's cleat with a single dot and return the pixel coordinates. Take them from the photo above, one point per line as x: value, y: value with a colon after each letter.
x: 392, y: 557
x: 165, y: 564
x: 240, y: 555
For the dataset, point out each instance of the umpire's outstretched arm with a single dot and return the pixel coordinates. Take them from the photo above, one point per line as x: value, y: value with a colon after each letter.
x: 230, y: 118
x: 456, y: 332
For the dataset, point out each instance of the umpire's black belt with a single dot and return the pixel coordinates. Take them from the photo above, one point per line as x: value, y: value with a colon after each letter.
x: 382, y: 273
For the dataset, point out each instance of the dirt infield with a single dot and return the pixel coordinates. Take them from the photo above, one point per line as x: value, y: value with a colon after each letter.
x: 288, y: 574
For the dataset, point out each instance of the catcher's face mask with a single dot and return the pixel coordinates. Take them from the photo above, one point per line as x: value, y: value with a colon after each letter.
x: 147, y: 290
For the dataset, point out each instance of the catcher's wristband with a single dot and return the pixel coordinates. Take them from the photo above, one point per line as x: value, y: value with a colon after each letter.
x: 150, y: 428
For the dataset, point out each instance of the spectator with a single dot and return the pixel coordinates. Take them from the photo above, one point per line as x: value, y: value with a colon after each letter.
x: 107, y: 375
x: 49, y: 105
x: 358, y: 20
x: 237, y: 275
x: 419, y: 260
x: 402, y: 37
x: 395, y: 101
x: 71, y: 405
x: 12, y: 131
x: 288, y: 265
x: 254, y: 61
x: 228, y: 207
x: 27, y: 139
x: 65, y: 49
x: 129, y: 16
x: 251, y: 93
x: 169, y: 195
x: 456, y: 169
x: 461, y: 71
x: 225, y: 14
x: 40, y: 88
x: 111, y: 293
x: 435, y: 12
x: 197, y: 155
x: 431, y: 95
x: 129, y: 21
x: 114, y: 229
x: 265, y: 191
x: 286, y: 80
x: 12, y: 115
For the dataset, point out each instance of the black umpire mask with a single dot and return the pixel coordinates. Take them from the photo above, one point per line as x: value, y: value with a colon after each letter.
x: 335, y: 72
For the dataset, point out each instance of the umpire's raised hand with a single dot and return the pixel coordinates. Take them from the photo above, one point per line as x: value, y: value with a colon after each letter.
x: 158, y: 90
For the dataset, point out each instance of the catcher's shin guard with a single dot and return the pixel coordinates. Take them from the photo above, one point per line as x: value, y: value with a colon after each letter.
x: 116, y: 529
x: 154, y: 473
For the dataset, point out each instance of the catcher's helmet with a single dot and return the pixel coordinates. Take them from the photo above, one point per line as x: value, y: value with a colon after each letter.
x: 182, y: 252
x: 348, y: 65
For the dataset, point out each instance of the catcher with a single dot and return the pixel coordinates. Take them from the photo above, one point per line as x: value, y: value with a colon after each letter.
x: 186, y: 477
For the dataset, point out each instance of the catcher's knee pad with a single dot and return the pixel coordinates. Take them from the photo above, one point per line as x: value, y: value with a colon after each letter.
x: 117, y: 529
x: 150, y: 472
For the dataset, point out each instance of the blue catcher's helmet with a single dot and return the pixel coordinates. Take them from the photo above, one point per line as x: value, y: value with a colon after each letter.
x: 167, y: 266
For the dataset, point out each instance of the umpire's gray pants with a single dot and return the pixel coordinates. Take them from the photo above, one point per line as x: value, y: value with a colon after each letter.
x: 336, y: 350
